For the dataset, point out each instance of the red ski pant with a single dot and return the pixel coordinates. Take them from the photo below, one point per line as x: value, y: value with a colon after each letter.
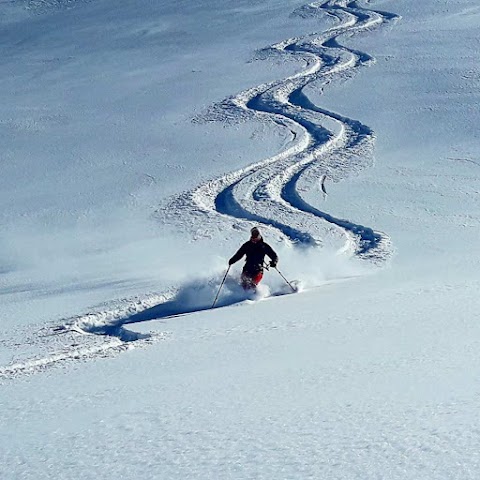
x: 251, y: 280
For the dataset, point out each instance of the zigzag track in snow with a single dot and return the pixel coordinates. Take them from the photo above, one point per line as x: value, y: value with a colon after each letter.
x: 269, y: 191
x: 325, y: 142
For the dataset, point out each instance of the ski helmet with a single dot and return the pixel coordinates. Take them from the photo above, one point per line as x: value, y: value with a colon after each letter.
x: 255, y: 232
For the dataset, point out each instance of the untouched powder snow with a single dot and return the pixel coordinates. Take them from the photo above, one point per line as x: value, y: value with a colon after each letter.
x: 140, y: 143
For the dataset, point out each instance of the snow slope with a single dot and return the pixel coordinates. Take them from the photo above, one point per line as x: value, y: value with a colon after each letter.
x: 139, y: 148
x: 323, y: 143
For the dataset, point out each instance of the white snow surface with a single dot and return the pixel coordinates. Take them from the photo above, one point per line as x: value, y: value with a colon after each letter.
x: 140, y: 142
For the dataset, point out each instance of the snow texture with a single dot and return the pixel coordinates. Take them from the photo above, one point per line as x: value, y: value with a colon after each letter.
x: 140, y: 143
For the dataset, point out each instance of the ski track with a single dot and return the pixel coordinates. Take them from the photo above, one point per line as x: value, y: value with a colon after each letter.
x: 324, y: 142
x: 267, y: 192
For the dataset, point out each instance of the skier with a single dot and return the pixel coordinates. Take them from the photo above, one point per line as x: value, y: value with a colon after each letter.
x: 255, y: 250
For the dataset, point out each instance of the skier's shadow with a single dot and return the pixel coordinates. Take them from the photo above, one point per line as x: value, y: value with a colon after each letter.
x: 191, y: 298
x: 162, y: 310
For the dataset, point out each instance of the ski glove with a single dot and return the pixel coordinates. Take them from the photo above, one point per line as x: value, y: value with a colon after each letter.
x: 273, y: 264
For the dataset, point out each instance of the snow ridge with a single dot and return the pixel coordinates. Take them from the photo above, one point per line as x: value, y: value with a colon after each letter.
x: 324, y: 142
x: 81, y: 338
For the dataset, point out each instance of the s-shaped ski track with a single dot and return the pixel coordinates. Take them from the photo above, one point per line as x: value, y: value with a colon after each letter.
x: 325, y: 142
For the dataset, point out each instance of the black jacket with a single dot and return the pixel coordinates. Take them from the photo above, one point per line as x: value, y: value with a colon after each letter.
x: 255, y: 253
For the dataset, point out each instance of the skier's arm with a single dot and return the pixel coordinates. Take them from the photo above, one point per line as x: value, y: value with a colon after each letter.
x: 238, y: 255
x: 273, y: 256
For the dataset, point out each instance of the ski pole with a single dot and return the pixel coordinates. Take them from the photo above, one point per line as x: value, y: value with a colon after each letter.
x: 291, y: 286
x: 223, y: 281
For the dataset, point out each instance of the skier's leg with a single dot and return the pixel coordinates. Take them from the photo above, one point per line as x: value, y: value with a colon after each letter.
x: 246, y: 281
x: 256, y: 279
x: 251, y: 276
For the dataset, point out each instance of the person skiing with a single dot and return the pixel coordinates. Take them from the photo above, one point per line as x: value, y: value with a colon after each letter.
x: 255, y: 250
